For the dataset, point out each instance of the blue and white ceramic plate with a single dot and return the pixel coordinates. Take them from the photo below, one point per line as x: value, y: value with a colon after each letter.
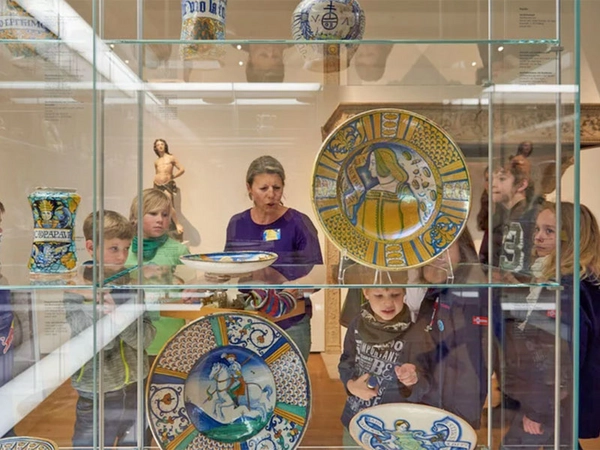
x: 229, y: 381
x: 406, y: 426
x: 229, y: 262
x: 391, y: 189
x: 27, y: 443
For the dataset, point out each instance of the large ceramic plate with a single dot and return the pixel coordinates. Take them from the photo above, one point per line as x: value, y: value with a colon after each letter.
x: 27, y: 443
x: 391, y: 189
x: 406, y: 426
x: 229, y: 381
x: 229, y: 262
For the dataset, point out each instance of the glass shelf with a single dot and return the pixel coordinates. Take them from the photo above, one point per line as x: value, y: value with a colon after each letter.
x: 155, y: 277
x: 130, y: 65
x: 84, y: 108
x: 109, y: 42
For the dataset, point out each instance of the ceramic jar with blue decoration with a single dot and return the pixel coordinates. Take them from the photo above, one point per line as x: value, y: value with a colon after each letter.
x: 53, y: 250
x: 16, y: 23
x: 203, y: 20
x: 322, y: 20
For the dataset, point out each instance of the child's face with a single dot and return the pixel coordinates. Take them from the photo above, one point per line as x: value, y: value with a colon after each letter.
x: 114, y: 252
x: 544, y: 240
x: 385, y: 303
x: 156, y: 223
x: 503, y: 188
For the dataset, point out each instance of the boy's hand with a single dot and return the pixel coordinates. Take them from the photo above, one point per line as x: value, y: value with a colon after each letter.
x: 532, y: 427
x: 359, y: 388
x: 407, y: 374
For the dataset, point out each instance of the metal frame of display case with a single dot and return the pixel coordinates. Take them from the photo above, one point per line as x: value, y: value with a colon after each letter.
x: 476, y: 139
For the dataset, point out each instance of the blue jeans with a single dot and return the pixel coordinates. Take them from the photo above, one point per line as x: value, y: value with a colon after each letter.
x: 120, y: 414
x: 300, y: 334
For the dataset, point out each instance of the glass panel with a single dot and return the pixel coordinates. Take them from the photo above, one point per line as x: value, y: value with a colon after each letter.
x: 102, y: 100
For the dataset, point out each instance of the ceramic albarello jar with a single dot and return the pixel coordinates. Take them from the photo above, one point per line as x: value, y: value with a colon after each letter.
x: 53, y: 250
x: 203, y: 20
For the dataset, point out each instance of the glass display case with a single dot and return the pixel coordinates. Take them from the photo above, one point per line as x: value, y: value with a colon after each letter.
x: 101, y: 100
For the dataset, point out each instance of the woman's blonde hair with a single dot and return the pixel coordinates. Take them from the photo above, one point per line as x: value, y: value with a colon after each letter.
x: 152, y: 200
x: 589, y: 242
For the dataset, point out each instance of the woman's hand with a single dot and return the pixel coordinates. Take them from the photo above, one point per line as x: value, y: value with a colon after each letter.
x: 532, y: 427
x: 407, y: 374
x: 359, y: 388
x: 190, y: 296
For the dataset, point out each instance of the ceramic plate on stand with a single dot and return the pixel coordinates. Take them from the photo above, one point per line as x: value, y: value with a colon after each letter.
x: 229, y: 381
x: 407, y: 426
x: 391, y: 189
x: 229, y: 262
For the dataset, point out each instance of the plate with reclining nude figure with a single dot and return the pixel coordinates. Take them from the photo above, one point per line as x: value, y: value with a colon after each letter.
x: 391, y: 189
x: 230, y: 262
x: 230, y: 381
x: 408, y: 426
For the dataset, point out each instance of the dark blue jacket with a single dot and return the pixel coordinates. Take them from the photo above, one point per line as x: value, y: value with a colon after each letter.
x: 6, y: 337
x: 457, y: 321
x: 589, y: 361
x: 529, y: 353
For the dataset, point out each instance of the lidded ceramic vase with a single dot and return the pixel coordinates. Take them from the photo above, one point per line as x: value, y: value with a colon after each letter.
x: 53, y: 249
x: 322, y: 20
x: 203, y: 20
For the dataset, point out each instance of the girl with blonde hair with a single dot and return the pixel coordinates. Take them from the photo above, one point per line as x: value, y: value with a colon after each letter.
x: 529, y: 341
x: 160, y: 253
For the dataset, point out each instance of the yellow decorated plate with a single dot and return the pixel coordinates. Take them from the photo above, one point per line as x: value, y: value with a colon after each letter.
x: 391, y: 189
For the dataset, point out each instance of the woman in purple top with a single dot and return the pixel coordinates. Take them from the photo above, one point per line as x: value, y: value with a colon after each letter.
x: 271, y: 226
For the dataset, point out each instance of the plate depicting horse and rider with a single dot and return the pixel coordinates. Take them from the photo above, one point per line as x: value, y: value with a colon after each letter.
x: 229, y: 381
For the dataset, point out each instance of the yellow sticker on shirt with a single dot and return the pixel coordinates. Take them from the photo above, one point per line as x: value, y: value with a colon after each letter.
x: 272, y: 235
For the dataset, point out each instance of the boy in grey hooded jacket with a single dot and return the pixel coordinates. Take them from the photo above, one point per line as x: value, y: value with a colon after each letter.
x: 119, y: 364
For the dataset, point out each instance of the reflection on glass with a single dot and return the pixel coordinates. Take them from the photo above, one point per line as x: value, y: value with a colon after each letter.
x: 265, y: 63
x: 17, y: 24
x: 370, y: 61
x: 6, y: 328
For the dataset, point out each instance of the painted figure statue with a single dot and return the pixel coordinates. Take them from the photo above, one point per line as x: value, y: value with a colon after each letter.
x: 167, y: 168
